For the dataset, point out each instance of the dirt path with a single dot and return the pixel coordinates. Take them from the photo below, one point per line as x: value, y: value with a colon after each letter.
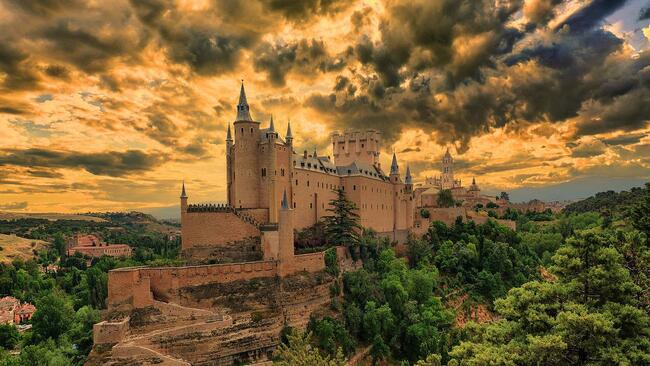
x: 359, y: 356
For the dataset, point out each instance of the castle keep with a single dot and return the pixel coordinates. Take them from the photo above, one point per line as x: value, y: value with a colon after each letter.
x: 262, y: 166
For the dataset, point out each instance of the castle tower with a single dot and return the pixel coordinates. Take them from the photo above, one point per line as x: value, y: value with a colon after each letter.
x: 271, y: 172
x: 394, y: 171
x: 447, y: 180
x: 408, y: 189
x: 349, y: 147
x: 229, y: 145
x: 289, y: 145
x: 245, y: 172
x: 183, y: 200
x: 285, y: 237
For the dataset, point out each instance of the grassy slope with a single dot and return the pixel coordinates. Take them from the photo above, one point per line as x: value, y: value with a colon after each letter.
x: 15, y: 246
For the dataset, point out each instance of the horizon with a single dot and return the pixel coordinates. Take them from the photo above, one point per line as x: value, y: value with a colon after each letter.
x: 110, y: 109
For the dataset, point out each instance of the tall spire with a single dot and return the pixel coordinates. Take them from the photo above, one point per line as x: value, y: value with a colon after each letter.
x: 285, y: 203
x: 228, y: 134
x: 243, y: 110
x: 183, y: 194
x: 271, y: 126
x: 408, y: 179
x: 473, y: 181
x: 447, y: 154
x: 394, y: 168
x: 289, y: 135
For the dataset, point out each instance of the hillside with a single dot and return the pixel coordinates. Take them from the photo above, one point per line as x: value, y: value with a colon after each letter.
x: 17, y: 247
x: 610, y: 201
x: 50, y: 216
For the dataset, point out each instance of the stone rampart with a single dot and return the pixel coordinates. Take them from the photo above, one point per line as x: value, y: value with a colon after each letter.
x: 311, y: 262
x: 110, y: 332
x: 136, y: 287
x: 209, y: 229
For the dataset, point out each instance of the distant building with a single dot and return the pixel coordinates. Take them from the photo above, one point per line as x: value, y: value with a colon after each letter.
x: 13, y: 312
x: 92, y: 246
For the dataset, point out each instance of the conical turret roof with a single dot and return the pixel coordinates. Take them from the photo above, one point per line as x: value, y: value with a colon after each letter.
x: 408, y: 179
x: 243, y: 110
x: 285, y: 202
x: 394, y: 168
x: 183, y: 194
x: 289, y: 135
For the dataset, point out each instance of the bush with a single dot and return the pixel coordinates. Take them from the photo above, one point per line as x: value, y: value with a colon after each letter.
x: 424, y: 213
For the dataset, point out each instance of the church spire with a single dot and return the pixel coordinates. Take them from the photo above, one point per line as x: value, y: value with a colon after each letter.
x: 243, y: 110
x: 408, y: 179
x: 394, y: 168
x: 183, y: 194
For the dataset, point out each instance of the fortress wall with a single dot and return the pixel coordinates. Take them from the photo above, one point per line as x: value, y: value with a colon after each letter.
x: 312, y: 192
x: 311, y: 262
x: 446, y: 215
x: 110, y: 332
x: 214, y: 228
x: 137, y: 286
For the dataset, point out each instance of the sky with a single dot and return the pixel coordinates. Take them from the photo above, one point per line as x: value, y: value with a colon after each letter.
x: 108, y: 106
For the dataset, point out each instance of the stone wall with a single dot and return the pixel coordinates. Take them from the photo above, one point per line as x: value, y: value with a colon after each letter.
x: 209, y: 229
x: 136, y: 287
x: 311, y: 262
x: 110, y: 332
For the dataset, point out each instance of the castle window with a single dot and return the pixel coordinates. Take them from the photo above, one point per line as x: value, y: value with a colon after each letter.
x: 251, y: 129
x: 294, y: 205
x: 296, y: 181
x: 264, y: 172
x: 282, y: 172
x: 242, y: 130
x: 311, y: 205
x: 307, y: 183
x: 362, y: 146
x: 354, y: 187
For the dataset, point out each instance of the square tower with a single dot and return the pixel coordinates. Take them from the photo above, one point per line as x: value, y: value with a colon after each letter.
x: 359, y: 146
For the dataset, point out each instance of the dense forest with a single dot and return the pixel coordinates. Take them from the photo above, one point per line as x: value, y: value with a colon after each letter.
x: 69, y: 300
x: 563, y: 289
x: 571, y: 289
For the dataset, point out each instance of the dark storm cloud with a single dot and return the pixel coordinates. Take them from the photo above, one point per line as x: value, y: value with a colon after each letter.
x: 591, y: 15
x: 627, y: 139
x: 111, y: 163
x: 14, y: 64
x: 644, y: 13
x: 44, y: 7
x: 305, y: 10
x: 304, y: 56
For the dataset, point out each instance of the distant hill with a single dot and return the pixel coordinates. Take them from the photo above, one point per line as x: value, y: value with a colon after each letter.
x: 50, y: 216
x: 13, y: 246
x: 611, y: 201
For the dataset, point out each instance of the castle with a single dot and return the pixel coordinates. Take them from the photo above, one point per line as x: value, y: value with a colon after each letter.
x: 262, y: 167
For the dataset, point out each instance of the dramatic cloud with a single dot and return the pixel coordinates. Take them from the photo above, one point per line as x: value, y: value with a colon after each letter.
x: 107, y: 163
x: 114, y: 105
x: 14, y: 206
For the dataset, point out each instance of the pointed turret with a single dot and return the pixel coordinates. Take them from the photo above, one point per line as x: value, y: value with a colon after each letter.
x: 408, y: 179
x: 289, y: 135
x: 315, y: 153
x: 394, y: 168
x: 271, y: 126
x: 243, y: 110
x: 183, y: 194
x: 473, y: 181
x: 285, y: 203
x: 228, y: 134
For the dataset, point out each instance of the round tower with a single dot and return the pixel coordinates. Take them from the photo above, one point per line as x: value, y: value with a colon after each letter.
x: 245, y: 162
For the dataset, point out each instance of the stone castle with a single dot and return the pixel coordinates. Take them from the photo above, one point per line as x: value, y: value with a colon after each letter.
x: 262, y: 168
x: 242, y: 282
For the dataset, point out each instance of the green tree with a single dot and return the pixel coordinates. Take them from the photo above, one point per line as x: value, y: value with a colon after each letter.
x: 640, y: 212
x: 53, y: 316
x: 59, y: 244
x: 445, y: 198
x: 342, y: 226
x: 590, y: 315
x: 299, y: 352
x: 9, y: 336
